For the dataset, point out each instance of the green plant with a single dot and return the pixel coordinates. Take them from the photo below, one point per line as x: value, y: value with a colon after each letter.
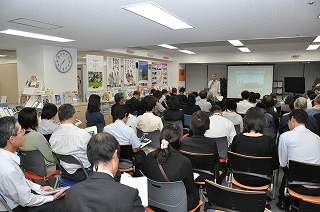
x: 223, y: 87
x: 316, y: 82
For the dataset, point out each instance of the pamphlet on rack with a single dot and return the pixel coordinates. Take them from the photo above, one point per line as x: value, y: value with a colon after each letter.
x: 34, y: 86
x: 75, y: 96
x: 45, y: 99
x: 67, y: 97
x: 33, y: 101
x: 58, y: 99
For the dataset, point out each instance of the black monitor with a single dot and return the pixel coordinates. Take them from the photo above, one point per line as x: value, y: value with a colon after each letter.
x: 294, y: 84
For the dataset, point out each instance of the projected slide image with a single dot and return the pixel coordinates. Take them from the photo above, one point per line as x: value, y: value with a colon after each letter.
x: 250, y: 81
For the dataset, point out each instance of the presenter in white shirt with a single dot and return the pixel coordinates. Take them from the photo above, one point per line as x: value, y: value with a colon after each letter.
x: 214, y: 86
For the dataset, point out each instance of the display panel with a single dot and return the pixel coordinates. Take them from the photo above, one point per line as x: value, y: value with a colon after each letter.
x: 294, y: 84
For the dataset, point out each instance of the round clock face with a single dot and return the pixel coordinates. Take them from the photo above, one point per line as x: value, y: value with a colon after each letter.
x: 63, y: 61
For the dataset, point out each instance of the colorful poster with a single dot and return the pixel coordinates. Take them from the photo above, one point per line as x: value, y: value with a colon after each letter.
x: 113, y: 72
x: 159, y: 74
x: 129, y: 72
x: 182, y: 75
x: 143, y: 73
x: 95, y: 72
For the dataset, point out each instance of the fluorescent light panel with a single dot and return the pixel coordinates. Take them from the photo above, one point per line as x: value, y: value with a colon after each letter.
x: 167, y: 46
x: 186, y: 51
x: 244, y: 49
x: 158, y: 15
x: 35, y: 35
x: 235, y: 42
x: 2, y: 55
x: 317, y: 40
x: 313, y: 46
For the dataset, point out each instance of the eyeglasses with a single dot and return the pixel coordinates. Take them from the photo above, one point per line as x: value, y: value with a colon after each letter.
x: 23, y: 131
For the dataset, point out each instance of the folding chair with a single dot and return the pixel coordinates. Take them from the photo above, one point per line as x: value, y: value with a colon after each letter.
x: 309, y: 206
x: 178, y: 122
x: 222, y: 145
x: 34, y: 167
x: 126, y: 160
x: 269, y: 131
x: 237, y: 128
x: 168, y: 196
x: 72, y: 159
x: 153, y: 136
x: 186, y: 120
x: 3, y: 204
x: 229, y: 199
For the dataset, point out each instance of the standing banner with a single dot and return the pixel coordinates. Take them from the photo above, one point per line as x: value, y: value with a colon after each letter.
x: 143, y: 73
x: 113, y: 72
x: 129, y: 72
x: 94, y: 72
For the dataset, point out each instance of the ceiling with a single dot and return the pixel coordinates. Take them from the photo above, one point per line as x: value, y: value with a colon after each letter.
x: 262, y: 26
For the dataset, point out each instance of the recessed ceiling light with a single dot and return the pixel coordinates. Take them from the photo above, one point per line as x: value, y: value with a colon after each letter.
x: 158, y: 15
x: 317, y: 40
x: 313, y: 46
x: 186, y: 51
x: 167, y: 46
x: 235, y: 42
x: 244, y: 49
x: 35, y: 35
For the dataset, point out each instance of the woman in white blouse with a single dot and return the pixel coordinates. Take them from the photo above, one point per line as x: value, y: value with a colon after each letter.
x: 229, y: 112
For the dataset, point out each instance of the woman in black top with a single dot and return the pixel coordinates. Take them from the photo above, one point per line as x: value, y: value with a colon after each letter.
x: 191, y: 106
x: 252, y: 142
x: 173, y: 113
x: 176, y: 167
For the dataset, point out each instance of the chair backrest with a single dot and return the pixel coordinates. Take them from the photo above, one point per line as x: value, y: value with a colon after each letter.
x: 250, y: 165
x: 270, y: 131
x: 304, y: 173
x: 229, y: 199
x: 237, y: 128
x: 178, y: 122
x: 153, y: 136
x: 73, y: 159
x: 222, y: 145
x: 169, y: 196
x: 307, y: 206
x: 3, y: 204
x: 48, y: 136
x: 126, y: 152
x: 186, y: 120
x: 33, y: 161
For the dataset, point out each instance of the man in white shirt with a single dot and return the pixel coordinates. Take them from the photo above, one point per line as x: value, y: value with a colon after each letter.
x: 298, y: 144
x: 244, y: 105
x: 69, y: 139
x: 16, y: 189
x: 203, y: 103
x: 220, y: 126
x: 214, y: 86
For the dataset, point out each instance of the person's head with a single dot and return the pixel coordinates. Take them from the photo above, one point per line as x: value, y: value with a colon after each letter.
x: 268, y: 101
x: 258, y: 96
x: 131, y: 107
x: 297, y: 117
x: 317, y: 100
x: 136, y: 94
x: 300, y: 103
x: 170, y: 143
x: 261, y: 105
x: 191, y: 100
x: 199, y: 122
x: 11, y: 134
x: 308, y: 94
x: 94, y: 103
x: 245, y: 94
x: 174, y: 90
x: 28, y: 118
x: 252, y: 97
x: 254, y: 120
x: 182, y: 90
x: 164, y: 92
x: 173, y: 103
x: 230, y: 105
x: 214, y: 77
x: 118, y: 98
x: 209, y: 95
x: 317, y: 90
x: 121, y: 112
x: 289, y: 99
x: 152, y: 91
x: 215, y: 109
x: 203, y: 94
x: 273, y: 95
x: 103, y: 151
x: 67, y: 112
x: 49, y: 111
x: 157, y: 94
x: 148, y: 102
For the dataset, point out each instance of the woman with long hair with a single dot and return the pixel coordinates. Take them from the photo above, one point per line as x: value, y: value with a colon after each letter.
x: 93, y: 115
x: 175, y: 166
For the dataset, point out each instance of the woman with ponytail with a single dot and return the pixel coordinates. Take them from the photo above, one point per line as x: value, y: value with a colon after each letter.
x: 166, y: 164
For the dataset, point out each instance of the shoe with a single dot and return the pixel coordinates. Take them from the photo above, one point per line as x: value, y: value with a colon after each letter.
x: 281, y: 205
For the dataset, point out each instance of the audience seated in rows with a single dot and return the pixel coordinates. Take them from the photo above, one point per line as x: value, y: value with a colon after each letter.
x: 230, y: 107
x: 203, y: 104
x: 244, y: 105
x: 316, y: 108
x: 100, y: 188
x: 191, y: 106
x: 308, y: 94
x: 166, y: 164
x: 119, y: 100
x: 69, y: 139
x: 269, y: 102
x: 164, y: 95
x: 132, y: 120
x: 135, y: 101
x: 93, y: 115
x: 182, y: 97
x: 285, y: 105
x: 269, y: 118
x: 220, y: 126
x: 298, y: 144
x: 47, y: 124
x: 158, y: 109
x: 173, y: 113
x: 148, y: 122
x: 253, y: 142
x: 252, y: 98
x: 34, y: 140
x: 18, y: 191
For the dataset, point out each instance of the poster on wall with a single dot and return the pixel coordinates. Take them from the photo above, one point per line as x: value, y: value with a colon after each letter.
x: 129, y: 72
x: 143, y: 73
x: 94, y: 72
x: 159, y: 74
x: 182, y: 75
x: 113, y: 72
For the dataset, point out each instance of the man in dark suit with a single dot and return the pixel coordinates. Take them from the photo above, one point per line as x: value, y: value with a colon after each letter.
x: 135, y: 100
x: 100, y: 192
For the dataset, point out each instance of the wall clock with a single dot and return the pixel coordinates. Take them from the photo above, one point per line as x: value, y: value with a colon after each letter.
x: 63, y: 61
